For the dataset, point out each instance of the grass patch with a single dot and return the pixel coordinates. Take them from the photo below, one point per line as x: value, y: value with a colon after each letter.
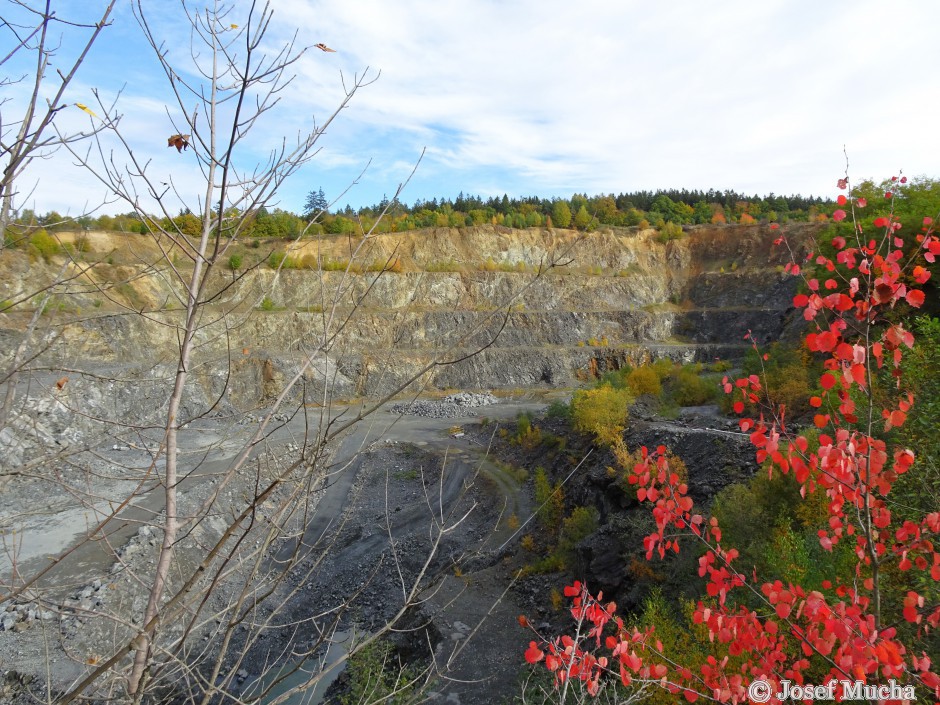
x: 447, y: 265
x: 407, y: 475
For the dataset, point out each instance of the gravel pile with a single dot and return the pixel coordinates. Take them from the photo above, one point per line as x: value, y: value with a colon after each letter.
x: 450, y: 407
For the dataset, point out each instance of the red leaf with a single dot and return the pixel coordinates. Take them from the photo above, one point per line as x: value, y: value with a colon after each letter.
x: 827, y: 381
x: 915, y: 297
x: 897, y: 418
x: 844, y: 351
x: 533, y: 654
x: 861, y: 202
x: 920, y: 274
x: 883, y: 293
x: 841, y: 200
x: 839, y: 214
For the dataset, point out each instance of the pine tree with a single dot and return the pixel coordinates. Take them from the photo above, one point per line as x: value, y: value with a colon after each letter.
x: 316, y: 203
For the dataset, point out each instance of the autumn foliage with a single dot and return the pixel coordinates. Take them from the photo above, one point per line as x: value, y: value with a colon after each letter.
x: 866, y: 624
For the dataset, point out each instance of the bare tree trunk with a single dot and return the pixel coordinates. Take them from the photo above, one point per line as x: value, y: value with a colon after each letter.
x: 248, y: 79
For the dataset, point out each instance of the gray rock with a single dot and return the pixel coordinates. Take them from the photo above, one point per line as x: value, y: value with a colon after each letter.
x: 451, y: 406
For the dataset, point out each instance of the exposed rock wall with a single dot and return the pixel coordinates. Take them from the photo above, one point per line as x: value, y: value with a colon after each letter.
x: 614, y: 298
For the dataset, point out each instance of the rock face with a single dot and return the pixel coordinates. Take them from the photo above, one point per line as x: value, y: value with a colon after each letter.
x: 539, y: 307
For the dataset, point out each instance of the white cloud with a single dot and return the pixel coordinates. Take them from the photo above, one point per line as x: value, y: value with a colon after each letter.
x: 530, y: 97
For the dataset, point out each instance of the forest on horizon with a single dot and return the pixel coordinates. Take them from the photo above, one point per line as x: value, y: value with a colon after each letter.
x: 641, y: 209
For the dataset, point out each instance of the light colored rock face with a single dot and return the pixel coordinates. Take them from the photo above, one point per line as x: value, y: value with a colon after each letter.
x: 611, y: 299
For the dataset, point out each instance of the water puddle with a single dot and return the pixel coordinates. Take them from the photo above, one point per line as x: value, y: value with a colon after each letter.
x: 310, y: 668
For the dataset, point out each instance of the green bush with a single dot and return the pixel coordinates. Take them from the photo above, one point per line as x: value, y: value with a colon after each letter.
x: 689, y: 389
x: 376, y: 674
x: 615, y: 378
x: 663, y: 367
x: 916, y: 490
x: 549, y: 501
x: 669, y: 231
x: 448, y: 265
x: 527, y: 434
x: 559, y: 410
x: 284, y: 261
x: 235, y: 262
x: 575, y: 528
x: 786, y: 375
x: 42, y: 244
x: 275, y: 259
x: 338, y: 265
x: 788, y: 546
x: 267, y: 304
x: 720, y: 366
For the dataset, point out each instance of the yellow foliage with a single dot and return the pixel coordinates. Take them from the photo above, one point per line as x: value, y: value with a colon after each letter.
x: 557, y: 599
x: 602, y: 411
x: 644, y: 380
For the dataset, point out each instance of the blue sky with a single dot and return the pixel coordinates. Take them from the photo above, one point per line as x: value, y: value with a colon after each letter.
x: 550, y: 98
